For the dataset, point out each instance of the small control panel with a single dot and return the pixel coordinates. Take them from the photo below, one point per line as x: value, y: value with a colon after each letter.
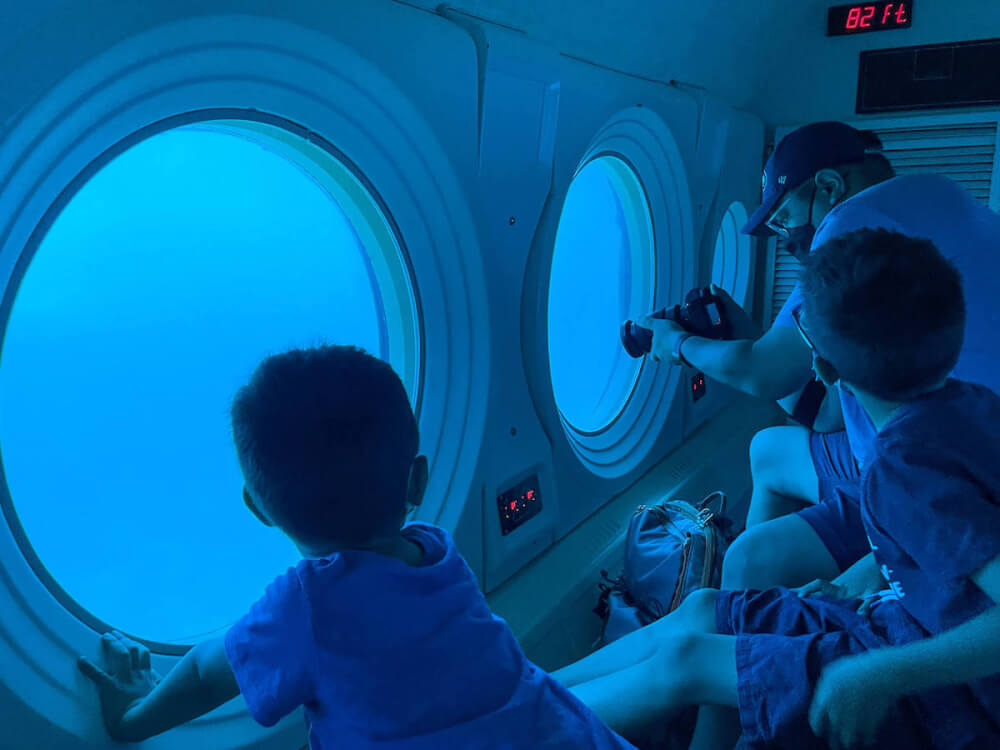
x: 697, y: 386
x: 518, y: 504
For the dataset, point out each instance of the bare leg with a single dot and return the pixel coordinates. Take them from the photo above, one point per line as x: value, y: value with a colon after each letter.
x: 690, y: 668
x: 785, y: 551
x: 784, y: 476
x: 696, y: 613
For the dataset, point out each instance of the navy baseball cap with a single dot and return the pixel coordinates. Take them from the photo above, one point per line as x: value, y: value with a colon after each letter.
x: 800, y: 155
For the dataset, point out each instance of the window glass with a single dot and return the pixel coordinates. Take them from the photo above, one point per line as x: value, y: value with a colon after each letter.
x: 159, y: 288
x: 602, y: 274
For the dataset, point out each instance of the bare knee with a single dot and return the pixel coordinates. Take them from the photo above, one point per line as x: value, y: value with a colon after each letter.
x: 781, y: 471
x: 750, y: 563
x: 697, y: 611
x: 765, y: 451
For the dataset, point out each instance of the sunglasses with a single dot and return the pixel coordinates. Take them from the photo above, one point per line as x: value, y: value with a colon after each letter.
x: 772, y: 224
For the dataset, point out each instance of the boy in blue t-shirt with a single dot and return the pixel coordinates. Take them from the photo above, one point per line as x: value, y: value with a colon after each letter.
x: 917, y: 666
x: 381, y: 631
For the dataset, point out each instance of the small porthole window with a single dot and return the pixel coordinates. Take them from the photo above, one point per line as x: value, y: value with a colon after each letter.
x: 602, y: 274
x: 164, y: 281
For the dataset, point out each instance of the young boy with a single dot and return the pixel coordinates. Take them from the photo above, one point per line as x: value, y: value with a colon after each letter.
x: 918, y: 668
x: 381, y: 632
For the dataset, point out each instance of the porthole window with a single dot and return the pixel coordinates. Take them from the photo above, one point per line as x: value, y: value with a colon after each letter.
x: 163, y: 282
x: 602, y: 274
x: 731, y: 261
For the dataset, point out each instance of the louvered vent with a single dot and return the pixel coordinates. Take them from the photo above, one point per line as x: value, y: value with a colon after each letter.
x: 962, y: 152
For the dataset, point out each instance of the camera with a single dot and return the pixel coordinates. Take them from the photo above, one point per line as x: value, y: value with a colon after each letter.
x: 702, y: 314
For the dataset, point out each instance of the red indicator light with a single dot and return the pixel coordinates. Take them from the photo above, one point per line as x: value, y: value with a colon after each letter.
x: 531, y: 494
x: 513, y: 504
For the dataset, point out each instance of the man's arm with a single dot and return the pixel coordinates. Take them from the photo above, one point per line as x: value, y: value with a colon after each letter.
x: 773, y: 366
x: 965, y: 653
x: 200, y: 682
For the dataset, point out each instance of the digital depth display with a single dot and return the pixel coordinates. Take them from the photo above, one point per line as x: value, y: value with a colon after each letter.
x: 858, y: 18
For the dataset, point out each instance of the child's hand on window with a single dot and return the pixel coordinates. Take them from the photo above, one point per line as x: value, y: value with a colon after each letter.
x: 128, y: 680
x: 853, y: 696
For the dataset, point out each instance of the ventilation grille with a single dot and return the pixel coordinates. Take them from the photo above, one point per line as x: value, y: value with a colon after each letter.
x: 965, y: 153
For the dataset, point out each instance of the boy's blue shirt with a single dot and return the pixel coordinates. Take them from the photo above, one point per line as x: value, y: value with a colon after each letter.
x: 383, y: 654
x: 965, y: 231
x: 930, y: 503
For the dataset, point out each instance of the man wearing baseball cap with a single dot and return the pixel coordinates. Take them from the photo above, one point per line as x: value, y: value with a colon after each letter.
x: 824, y: 180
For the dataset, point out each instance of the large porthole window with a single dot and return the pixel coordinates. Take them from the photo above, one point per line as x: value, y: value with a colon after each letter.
x: 602, y: 274
x: 163, y: 282
x: 731, y: 261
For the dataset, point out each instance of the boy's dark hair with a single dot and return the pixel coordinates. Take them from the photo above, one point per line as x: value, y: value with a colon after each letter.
x: 885, y: 309
x: 325, y: 438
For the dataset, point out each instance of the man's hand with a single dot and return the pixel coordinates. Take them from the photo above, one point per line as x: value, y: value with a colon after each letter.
x: 853, y: 697
x: 742, y: 324
x: 128, y: 680
x: 665, y: 335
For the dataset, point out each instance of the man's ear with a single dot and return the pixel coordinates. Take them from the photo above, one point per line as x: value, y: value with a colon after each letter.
x: 831, y: 182
x: 825, y: 371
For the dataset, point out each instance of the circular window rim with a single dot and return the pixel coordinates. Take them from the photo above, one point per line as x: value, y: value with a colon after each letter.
x: 743, y: 250
x: 642, y: 140
x: 647, y: 266
x: 220, y: 63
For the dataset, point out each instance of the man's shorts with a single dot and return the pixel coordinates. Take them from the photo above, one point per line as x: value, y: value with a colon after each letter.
x: 783, y: 643
x: 836, y: 518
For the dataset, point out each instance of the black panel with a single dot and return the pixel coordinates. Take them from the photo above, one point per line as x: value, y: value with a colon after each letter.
x: 519, y: 503
x: 697, y: 386
x: 933, y: 76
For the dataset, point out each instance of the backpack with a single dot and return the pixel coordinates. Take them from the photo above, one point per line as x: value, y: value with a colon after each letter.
x: 671, y: 549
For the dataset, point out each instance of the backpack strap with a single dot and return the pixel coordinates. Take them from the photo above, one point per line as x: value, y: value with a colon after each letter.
x: 710, y: 499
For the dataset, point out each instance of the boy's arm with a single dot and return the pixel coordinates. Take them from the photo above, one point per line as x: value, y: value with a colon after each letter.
x: 965, y: 653
x: 201, y: 682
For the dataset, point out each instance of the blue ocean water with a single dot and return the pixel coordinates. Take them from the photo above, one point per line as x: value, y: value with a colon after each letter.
x: 592, y: 290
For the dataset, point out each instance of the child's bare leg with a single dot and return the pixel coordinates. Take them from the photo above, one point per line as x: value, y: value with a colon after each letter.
x: 697, y: 613
x: 689, y: 668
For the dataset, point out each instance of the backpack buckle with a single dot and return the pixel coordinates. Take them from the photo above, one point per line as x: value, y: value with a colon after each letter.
x: 704, y: 516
